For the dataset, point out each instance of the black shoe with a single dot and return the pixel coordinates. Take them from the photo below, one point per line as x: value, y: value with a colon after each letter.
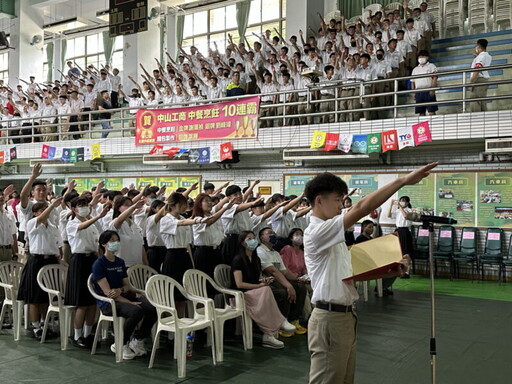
x: 80, y: 343
x: 37, y: 333
x: 89, y: 341
x: 51, y: 335
x: 387, y: 292
x: 405, y: 276
x: 6, y: 326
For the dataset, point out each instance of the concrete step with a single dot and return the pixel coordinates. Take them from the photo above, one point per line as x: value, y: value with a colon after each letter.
x: 471, y: 39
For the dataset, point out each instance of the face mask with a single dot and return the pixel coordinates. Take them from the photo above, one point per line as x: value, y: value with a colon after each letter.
x: 422, y: 60
x: 380, y: 57
x: 297, y: 240
x: 252, y: 244
x: 272, y: 239
x: 83, y: 211
x: 114, y: 246
x: 403, y: 204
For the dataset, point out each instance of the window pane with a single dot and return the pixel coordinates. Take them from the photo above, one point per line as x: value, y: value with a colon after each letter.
x: 92, y: 44
x: 231, y: 16
x: 283, y: 10
x: 79, y: 46
x: 249, y: 34
x: 119, y: 43
x: 94, y: 61
x: 200, y: 22
x: 217, y: 19
x: 117, y: 60
x: 272, y: 10
x: 220, y: 39
x: 70, y: 51
x: 188, y: 26
x: 81, y: 62
x: 201, y: 43
x: 255, y: 12
x: 186, y: 45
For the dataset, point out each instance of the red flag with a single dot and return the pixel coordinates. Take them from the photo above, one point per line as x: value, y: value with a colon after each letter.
x: 171, y: 151
x: 2, y: 160
x: 389, y: 141
x: 44, y: 151
x: 331, y: 141
x: 156, y: 150
x: 226, y: 151
x: 421, y: 133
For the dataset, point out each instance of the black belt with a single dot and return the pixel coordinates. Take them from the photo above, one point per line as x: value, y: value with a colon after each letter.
x: 86, y: 254
x: 38, y: 256
x: 8, y: 246
x: 207, y: 246
x: 334, y: 307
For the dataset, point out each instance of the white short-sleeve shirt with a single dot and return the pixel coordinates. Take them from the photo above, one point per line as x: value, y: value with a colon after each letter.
x: 174, y: 235
x: 153, y: 232
x: 269, y: 257
x: 82, y: 240
x: 210, y: 235
x: 44, y: 240
x: 131, y: 242
x: 7, y: 227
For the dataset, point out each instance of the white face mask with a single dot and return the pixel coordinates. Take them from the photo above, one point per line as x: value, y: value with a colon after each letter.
x: 422, y: 60
x: 83, y: 211
x: 403, y: 204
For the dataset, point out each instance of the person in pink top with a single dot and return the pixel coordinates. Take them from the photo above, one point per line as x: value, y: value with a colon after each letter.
x: 293, y: 255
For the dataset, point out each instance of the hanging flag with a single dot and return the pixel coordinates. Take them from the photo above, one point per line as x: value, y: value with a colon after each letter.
x: 96, y: 150
x: 421, y: 133
x: 181, y: 152
x: 51, y: 153
x: 359, y: 144
x: 87, y: 153
x: 66, y: 154
x: 80, y: 154
x: 7, y: 156
x: 204, y: 155
x: 44, y: 151
x: 214, y: 154
x: 405, y: 137
x: 2, y: 157
x: 14, y: 153
x: 345, y: 142
x: 226, y: 151
x: 171, y: 152
x: 72, y: 155
x: 373, y: 142
x: 331, y: 141
x: 58, y: 153
x: 193, y: 156
x: 157, y: 149
x: 389, y: 141
x: 318, y: 139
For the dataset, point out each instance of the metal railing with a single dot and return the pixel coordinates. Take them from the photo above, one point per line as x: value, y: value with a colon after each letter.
x: 300, y: 106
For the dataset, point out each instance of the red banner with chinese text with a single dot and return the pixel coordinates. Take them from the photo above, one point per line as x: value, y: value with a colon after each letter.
x: 236, y: 119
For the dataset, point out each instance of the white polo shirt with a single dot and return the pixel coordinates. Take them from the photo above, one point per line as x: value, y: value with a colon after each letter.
x: 328, y: 261
x: 482, y: 60
x: 423, y: 82
x: 269, y: 257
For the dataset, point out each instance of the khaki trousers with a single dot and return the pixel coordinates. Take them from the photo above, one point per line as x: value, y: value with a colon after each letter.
x: 332, y: 344
x: 478, y: 91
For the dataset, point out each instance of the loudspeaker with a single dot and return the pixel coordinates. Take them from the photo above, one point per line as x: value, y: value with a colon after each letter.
x: 3, y: 40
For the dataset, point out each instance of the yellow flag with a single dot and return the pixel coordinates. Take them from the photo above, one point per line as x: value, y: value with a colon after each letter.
x: 96, y: 151
x: 318, y: 139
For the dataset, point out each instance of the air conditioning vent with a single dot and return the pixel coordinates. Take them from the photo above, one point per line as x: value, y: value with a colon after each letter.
x: 315, y: 154
x: 498, y: 145
x: 164, y: 159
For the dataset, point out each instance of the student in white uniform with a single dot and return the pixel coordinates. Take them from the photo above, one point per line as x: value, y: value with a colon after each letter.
x: 282, y: 220
x: 403, y: 226
x: 8, y: 231
x: 207, y: 233
x: 177, y: 236
x: 132, y: 245
x: 156, y: 246
x: 83, y: 233
x: 43, y: 237
x: 332, y: 326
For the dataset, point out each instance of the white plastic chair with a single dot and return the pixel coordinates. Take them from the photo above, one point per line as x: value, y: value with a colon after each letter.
x: 138, y: 276
x: 160, y: 293
x: 10, y: 275
x: 117, y: 321
x: 52, y: 279
x: 222, y: 276
x: 365, y: 289
x: 195, y: 283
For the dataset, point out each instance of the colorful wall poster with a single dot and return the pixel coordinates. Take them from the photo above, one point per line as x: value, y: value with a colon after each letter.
x: 422, y: 195
x: 145, y: 181
x: 81, y: 185
x: 295, y: 184
x: 494, y: 195
x: 363, y: 184
x: 455, y: 197
x: 188, y: 181
x: 171, y: 183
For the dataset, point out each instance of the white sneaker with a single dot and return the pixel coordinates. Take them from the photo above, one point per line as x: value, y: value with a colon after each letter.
x: 287, y: 327
x: 137, y: 346
x: 128, y: 354
x: 270, y: 341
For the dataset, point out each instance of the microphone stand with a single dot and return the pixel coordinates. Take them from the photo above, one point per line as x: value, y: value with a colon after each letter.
x: 430, y: 226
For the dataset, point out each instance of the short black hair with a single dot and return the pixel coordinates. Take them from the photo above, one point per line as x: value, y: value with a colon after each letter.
x: 423, y: 52
x: 208, y: 186
x: 322, y: 184
x: 233, y: 189
x: 365, y: 223
x: 483, y: 43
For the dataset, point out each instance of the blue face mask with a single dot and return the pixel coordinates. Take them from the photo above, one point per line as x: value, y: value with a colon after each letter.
x: 252, y: 244
x: 114, y: 246
x: 272, y: 239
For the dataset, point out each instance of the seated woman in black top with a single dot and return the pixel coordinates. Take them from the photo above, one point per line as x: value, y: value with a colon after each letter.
x: 367, y: 228
x: 259, y: 300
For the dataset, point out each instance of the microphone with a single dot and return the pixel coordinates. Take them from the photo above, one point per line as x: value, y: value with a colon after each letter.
x: 414, y: 216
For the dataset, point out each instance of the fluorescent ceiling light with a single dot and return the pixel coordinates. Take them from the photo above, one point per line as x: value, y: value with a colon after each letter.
x: 66, y: 25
